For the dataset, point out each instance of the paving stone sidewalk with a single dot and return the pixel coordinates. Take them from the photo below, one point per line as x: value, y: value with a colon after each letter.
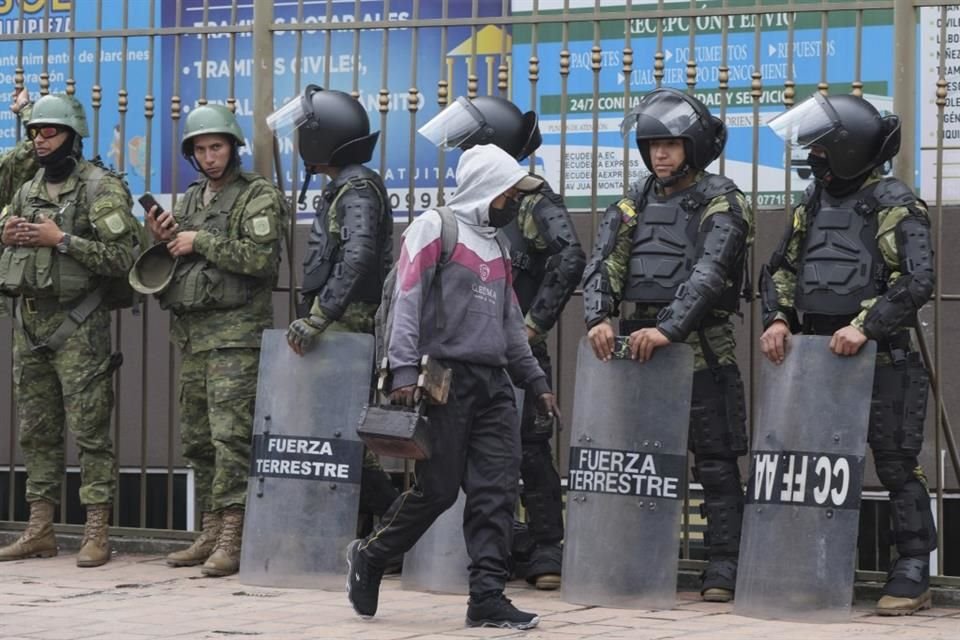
x: 139, y: 597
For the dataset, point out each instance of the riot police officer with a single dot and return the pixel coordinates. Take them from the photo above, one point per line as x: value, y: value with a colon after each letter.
x: 547, y: 262
x: 856, y: 264
x: 676, y: 247
x: 68, y: 240
x: 350, y: 248
x: 225, y: 236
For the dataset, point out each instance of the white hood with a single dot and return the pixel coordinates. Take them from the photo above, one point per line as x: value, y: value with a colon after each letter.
x: 484, y: 172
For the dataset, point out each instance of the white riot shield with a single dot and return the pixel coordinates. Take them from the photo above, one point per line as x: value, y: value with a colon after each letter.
x: 305, y: 462
x: 628, y: 452
x: 800, y: 523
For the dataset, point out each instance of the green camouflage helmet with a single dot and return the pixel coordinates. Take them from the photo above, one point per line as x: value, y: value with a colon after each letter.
x: 206, y: 119
x: 60, y: 109
x: 153, y: 270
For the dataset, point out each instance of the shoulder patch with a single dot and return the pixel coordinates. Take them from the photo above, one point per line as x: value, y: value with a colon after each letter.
x: 114, y: 223
x: 260, y: 226
x: 627, y: 211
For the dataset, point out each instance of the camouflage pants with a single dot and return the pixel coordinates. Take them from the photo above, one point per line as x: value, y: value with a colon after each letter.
x: 72, y: 386
x: 217, y: 393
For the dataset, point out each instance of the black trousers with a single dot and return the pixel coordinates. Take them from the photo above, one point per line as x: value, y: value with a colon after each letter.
x: 476, y: 445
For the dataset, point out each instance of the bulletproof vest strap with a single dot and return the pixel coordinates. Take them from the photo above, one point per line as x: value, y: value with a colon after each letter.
x: 74, y: 318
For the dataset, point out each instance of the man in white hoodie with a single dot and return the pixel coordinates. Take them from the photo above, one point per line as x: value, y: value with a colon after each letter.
x: 475, y: 436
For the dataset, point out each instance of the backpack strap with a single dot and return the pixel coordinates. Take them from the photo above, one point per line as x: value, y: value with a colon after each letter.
x: 449, y: 233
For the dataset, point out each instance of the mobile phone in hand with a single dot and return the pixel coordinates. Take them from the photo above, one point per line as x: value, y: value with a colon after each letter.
x: 147, y: 201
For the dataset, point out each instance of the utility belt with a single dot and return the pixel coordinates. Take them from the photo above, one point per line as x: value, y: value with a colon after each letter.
x: 897, y: 344
x: 78, y: 310
x: 32, y: 305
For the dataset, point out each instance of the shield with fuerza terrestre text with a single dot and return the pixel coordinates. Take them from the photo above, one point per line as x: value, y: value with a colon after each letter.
x: 305, y: 462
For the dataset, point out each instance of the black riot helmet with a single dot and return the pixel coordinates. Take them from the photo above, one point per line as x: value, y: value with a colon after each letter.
x: 668, y: 113
x: 854, y: 135
x: 485, y: 120
x: 332, y: 127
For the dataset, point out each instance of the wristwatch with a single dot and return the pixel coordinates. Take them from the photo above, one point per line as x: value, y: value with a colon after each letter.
x: 64, y: 243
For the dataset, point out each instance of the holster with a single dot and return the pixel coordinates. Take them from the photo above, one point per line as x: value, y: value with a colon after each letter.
x: 399, y: 431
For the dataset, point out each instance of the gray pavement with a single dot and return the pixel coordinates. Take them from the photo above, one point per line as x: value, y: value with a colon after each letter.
x: 139, y: 597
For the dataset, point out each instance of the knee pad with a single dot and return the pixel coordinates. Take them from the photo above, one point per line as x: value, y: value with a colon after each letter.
x: 718, y: 476
x: 913, y: 528
x: 895, y: 471
x: 899, y: 406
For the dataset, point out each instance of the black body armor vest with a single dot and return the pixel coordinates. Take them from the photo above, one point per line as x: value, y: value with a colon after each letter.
x: 324, y: 248
x: 840, y: 263
x: 667, y: 243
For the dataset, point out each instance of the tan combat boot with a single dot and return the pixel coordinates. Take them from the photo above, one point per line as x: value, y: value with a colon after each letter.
x: 95, y: 548
x: 37, y: 540
x: 225, y: 559
x: 202, y: 547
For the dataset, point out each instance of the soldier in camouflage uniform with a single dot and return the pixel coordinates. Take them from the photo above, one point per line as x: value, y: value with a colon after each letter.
x: 225, y: 235
x: 547, y: 262
x: 676, y: 247
x: 18, y: 164
x: 68, y: 238
x: 350, y: 249
x: 856, y: 264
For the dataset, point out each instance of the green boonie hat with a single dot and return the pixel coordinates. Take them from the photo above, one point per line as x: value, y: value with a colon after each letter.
x: 60, y: 109
x: 206, y: 119
x: 153, y: 270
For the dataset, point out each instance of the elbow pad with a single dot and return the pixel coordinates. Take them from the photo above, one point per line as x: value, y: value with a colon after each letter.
x: 913, y: 289
x: 721, y: 254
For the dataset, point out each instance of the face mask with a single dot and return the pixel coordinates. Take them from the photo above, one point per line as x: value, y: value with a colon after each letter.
x: 819, y: 166
x: 59, y: 164
x: 503, y: 217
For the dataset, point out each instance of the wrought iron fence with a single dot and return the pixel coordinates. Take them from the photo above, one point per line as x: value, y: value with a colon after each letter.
x: 140, y: 66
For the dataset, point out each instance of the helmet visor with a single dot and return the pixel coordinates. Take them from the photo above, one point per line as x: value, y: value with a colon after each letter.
x: 806, y: 123
x: 673, y: 116
x: 288, y: 117
x: 454, y: 125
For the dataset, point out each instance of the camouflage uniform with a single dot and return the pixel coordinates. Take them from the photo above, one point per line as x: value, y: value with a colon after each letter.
x: 719, y: 337
x: 898, y: 406
x: 717, y: 412
x: 221, y: 346
x: 17, y: 165
x: 73, y: 383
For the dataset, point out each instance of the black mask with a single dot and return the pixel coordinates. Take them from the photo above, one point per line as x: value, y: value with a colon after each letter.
x: 834, y: 185
x: 820, y: 167
x: 59, y: 165
x: 503, y: 217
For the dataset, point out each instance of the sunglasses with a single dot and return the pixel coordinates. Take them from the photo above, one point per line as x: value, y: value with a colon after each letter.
x: 43, y: 132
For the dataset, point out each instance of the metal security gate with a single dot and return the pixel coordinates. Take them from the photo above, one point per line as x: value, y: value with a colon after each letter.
x: 140, y: 65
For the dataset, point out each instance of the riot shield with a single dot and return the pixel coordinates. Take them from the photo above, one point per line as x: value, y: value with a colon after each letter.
x: 628, y: 449
x: 800, y: 523
x: 305, y: 462
x: 439, y: 561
